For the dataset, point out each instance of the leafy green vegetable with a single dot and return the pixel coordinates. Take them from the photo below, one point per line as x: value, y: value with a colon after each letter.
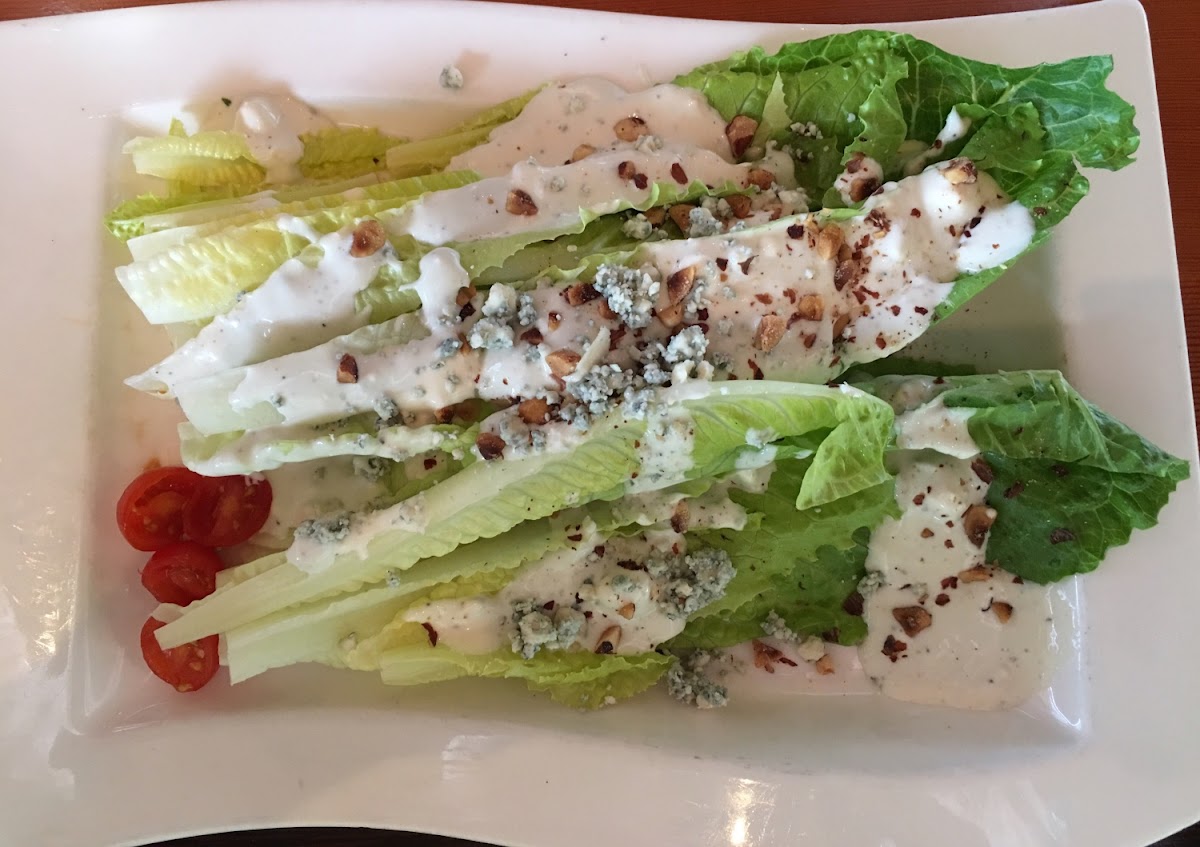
x: 1070, y: 482
x: 578, y: 680
x: 800, y: 564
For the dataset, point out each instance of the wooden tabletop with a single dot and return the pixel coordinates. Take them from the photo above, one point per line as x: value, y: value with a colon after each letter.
x: 1175, y: 31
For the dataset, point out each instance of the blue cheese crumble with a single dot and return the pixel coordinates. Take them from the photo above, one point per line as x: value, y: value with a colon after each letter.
x: 537, y: 628
x: 690, y: 680
x: 526, y: 311
x: 638, y: 227
x: 370, y: 468
x: 690, y: 581
x: 325, y: 530
x: 630, y: 292
x: 450, y: 78
x: 501, y: 302
x: 701, y: 223
x: 490, y: 334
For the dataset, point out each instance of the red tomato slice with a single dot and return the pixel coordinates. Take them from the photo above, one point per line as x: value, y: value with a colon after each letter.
x: 227, y: 510
x: 150, y: 511
x: 182, y: 572
x: 187, y: 667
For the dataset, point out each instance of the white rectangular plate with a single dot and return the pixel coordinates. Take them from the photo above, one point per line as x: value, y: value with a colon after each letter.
x: 96, y: 752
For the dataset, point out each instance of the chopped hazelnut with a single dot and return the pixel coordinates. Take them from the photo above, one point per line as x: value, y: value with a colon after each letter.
x: 367, y: 239
x: 465, y: 295
x: 520, y: 203
x: 679, y: 284
x: 861, y: 189
x: 912, y: 619
x: 681, y: 516
x: 960, y: 171
x: 671, y: 316
x: 829, y: 241
x: 347, y: 370
x: 627, y: 170
x: 533, y: 411
x: 681, y: 214
x: 655, y: 215
x: 631, y: 128
x: 810, y: 307
x: 580, y: 293
x: 582, y: 152
x: 840, y: 322
x: 562, y: 362
x: 740, y: 132
x: 739, y: 204
x: 760, y: 178
x: 1002, y: 611
x: 769, y: 332
x: 490, y: 445
x: 532, y: 336
x: 627, y: 611
x: 977, y: 520
x: 824, y: 665
x: 979, y: 573
x: 609, y: 641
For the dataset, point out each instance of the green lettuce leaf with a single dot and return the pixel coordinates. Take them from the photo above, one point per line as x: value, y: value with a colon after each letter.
x: 1069, y: 482
x: 577, y: 680
x: 489, y: 498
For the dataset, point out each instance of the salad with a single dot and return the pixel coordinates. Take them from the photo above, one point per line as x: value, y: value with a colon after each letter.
x: 599, y: 389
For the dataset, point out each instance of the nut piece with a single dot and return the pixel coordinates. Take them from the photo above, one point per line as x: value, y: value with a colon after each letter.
x: 581, y: 293
x: 861, y: 189
x: 368, y: 238
x: 740, y: 132
x: 739, y: 204
x: 829, y: 241
x: 631, y: 128
x: 347, y: 370
x: 520, y: 203
x: 655, y: 215
x: 679, y: 174
x: 562, y: 362
x: 532, y: 336
x: 893, y: 647
x: 979, y: 573
x: 627, y: 170
x: 490, y: 445
x: 1003, y: 611
x: 847, y: 271
x: 582, y: 152
x: 840, y: 322
x: 960, y: 171
x: 465, y: 295
x: 671, y: 316
x: 533, y: 411
x: 912, y: 619
x: 760, y: 178
x: 681, y: 516
x: 824, y: 665
x: 681, y: 214
x: 609, y: 641
x: 467, y: 410
x: 679, y: 284
x: 770, y: 330
x: 977, y: 520
x: 765, y: 656
x: 810, y: 307
x: 627, y: 611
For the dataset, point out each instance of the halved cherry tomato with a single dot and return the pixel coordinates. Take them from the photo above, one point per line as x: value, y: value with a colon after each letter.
x: 182, y: 572
x: 150, y: 511
x: 227, y: 510
x: 187, y: 667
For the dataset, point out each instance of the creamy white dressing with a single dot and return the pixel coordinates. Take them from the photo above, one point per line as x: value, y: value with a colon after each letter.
x: 313, y: 553
x: 934, y: 426
x: 481, y: 210
x: 273, y: 125
x: 560, y: 118
x: 585, y: 576
x: 665, y: 451
x: 299, y: 306
x: 955, y: 128
x: 310, y: 489
x: 967, y: 656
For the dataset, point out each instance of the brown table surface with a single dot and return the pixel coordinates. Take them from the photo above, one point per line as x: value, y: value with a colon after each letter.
x: 1175, y: 32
